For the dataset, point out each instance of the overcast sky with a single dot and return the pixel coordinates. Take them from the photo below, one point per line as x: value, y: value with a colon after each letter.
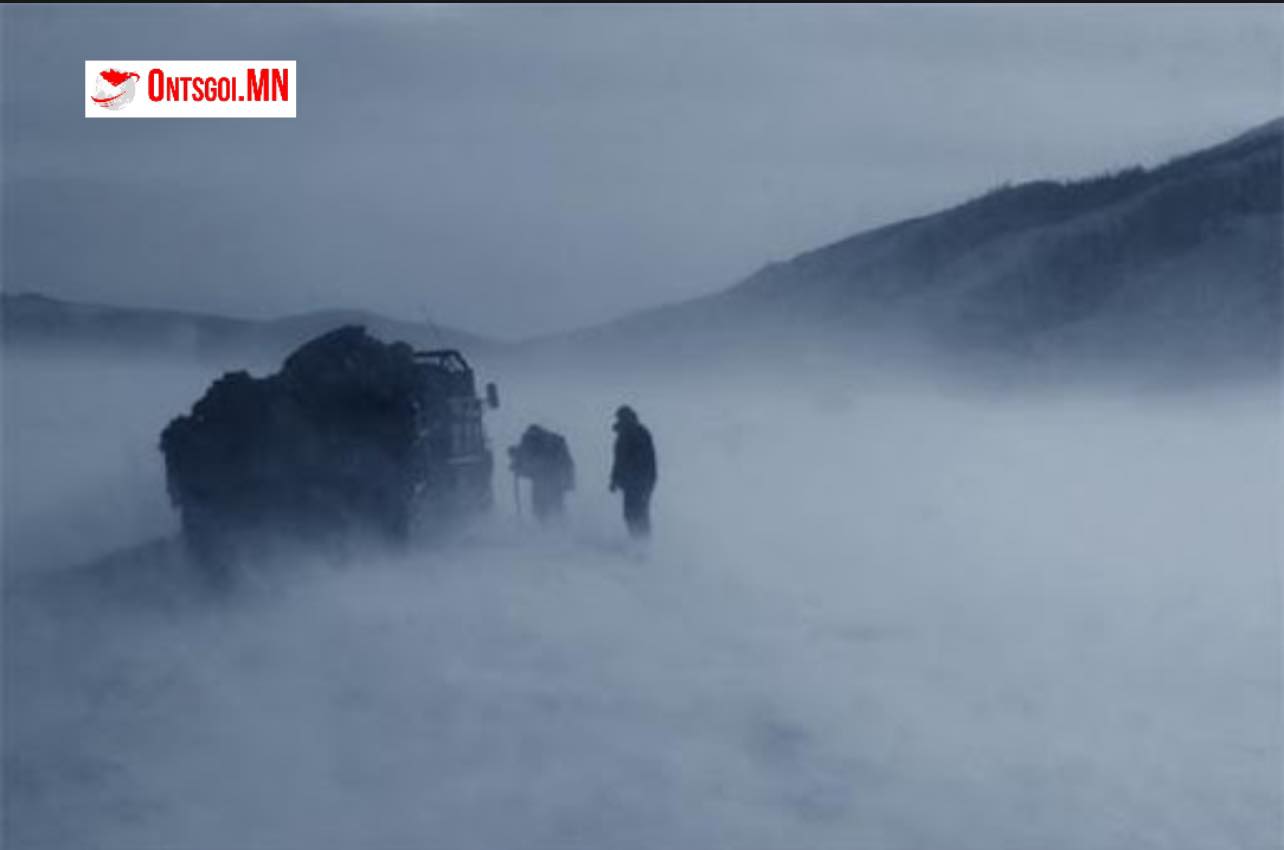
x: 519, y: 170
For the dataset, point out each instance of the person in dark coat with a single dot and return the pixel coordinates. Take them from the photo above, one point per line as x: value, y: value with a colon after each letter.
x: 634, y: 470
x: 544, y: 458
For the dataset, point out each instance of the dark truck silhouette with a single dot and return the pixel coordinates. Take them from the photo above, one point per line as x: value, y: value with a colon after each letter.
x: 352, y: 438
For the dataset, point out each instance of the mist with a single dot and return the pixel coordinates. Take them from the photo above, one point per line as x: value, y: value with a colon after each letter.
x: 514, y: 170
x: 876, y: 611
x: 957, y: 328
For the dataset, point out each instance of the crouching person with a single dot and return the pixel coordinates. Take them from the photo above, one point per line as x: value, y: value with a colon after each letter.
x: 543, y: 457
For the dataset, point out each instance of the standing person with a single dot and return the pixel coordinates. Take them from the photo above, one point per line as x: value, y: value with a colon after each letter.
x: 544, y: 458
x: 634, y: 470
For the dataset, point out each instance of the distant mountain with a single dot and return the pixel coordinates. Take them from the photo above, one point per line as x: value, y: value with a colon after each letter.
x: 30, y: 321
x: 1178, y: 264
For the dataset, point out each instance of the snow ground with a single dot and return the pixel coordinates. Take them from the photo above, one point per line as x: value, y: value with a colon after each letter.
x: 876, y: 616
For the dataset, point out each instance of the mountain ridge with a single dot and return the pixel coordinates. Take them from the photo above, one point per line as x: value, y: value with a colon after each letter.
x: 34, y: 320
x: 1176, y: 262
x: 1121, y: 264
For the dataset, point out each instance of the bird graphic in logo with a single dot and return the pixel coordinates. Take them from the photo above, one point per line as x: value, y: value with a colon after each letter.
x: 113, y: 89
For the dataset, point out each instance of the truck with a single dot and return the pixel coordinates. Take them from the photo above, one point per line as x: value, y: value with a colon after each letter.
x: 352, y: 439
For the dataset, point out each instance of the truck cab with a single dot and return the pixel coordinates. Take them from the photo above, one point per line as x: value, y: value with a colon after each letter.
x: 455, y: 480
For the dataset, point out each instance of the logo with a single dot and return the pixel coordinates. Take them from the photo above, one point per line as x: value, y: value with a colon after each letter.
x: 114, y: 89
x: 181, y: 88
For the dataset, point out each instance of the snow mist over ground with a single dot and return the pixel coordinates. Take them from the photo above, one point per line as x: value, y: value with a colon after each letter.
x: 875, y: 614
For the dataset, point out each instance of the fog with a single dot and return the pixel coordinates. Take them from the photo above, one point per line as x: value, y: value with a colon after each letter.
x: 513, y: 170
x: 875, y: 613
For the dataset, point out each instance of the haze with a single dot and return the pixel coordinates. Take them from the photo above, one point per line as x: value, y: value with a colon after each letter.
x: 967, y: 534
x: 517, y: 170
x: 875, y: 614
